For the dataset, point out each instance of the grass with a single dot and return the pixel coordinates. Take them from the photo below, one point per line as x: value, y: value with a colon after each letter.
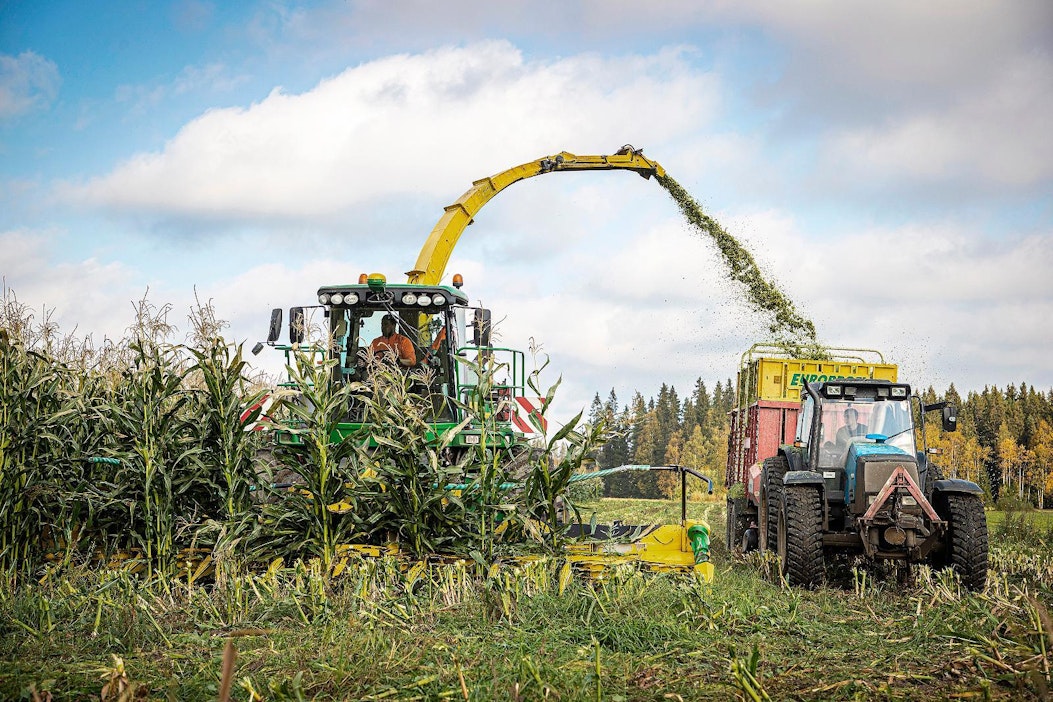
x: 1041, y: 519
x: 524, y: 632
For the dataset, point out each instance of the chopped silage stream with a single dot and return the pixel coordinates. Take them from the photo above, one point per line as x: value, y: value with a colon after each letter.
x: 787, y: 324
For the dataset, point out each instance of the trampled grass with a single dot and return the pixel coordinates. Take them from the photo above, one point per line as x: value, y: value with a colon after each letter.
x: 458, y: 631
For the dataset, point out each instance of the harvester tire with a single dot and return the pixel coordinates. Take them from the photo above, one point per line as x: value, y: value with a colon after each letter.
x: 800, y: 536
x: 771, y: 498
x: 966, y: 540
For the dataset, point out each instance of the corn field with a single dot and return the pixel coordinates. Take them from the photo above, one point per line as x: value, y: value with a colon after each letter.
x: 146, y: 554
x: 137, y: 452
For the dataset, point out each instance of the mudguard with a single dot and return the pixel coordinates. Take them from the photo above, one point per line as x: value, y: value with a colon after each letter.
x: 803, y: 477
x: 794, y: 457
x: 956, y: 485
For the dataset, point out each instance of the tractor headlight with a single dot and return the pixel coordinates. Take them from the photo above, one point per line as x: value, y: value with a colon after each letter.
x: 423, y: 300
x: 323, y: 299
x: 409, y: 299
x: 899, y: 391
x: 833, y: 390
x: 336, y: 299
x: 438, y: 300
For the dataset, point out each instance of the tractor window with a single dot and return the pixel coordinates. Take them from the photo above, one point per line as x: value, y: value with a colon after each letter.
x: 804, y: 421
x: 844, y: 423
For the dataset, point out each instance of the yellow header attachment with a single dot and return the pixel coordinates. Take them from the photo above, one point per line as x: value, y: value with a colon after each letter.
x: 431, y: 263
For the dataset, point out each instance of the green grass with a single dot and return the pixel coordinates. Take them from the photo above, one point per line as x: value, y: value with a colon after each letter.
x: 377, y: 632
x: 1041, y: 519
x: 634, y: 511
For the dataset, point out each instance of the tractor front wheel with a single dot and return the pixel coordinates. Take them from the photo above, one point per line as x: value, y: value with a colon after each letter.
x: 800, y: 536
x: 965, y: 547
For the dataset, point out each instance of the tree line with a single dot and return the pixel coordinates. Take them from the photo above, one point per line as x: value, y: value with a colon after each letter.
x: 1004, y: 440
x: 663, y: 430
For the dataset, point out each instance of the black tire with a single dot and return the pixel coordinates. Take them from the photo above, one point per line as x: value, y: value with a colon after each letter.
x: 731, y: 533
x: 965, y: 545
x: 800, y: 536
x: 771, y: 498
x: 738, y: 519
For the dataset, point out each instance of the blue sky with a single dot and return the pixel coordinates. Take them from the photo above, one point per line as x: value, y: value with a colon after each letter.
x: 890, y: 167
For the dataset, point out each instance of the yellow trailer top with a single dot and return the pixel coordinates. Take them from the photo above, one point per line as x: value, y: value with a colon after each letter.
x: 768, y: 373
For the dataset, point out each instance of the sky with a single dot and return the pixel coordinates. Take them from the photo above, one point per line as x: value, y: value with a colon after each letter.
x: 889, y: 165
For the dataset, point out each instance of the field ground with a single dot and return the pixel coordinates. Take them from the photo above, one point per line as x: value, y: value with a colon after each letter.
x: 529, y: 633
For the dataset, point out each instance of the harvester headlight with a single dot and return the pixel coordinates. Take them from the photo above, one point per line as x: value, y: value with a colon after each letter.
x: 409, y: 299
x: 438, y: 300
x: 323, y: 299
x: 351, y: 298
x: 423, y: 300
x: 337, y: 299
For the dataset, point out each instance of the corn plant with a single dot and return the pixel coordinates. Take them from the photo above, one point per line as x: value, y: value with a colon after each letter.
x: 545, y: 496
x: 493, y: 509
x: 34, y: 395
x: 320, y: 512
x: 159, y: 486
x: 403, y: 489
x: 226, y: 447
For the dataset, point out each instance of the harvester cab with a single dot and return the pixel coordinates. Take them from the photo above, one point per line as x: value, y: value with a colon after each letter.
x: 444, y: 344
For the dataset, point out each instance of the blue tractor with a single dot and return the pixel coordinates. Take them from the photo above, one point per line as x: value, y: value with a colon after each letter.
x: 855, y: 482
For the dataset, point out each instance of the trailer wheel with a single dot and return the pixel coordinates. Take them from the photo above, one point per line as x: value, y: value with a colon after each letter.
x: 800, y: 536
x: 965, y: 547
x: 738, y: 520
x: 771, y: 498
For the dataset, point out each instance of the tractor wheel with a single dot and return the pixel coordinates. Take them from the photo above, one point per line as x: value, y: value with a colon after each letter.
x: 965, y: 547
x: 800, y: 536
x: 771, y: 497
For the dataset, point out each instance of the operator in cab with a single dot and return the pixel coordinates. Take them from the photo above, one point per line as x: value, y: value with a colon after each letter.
x: 852, y: 428
x: 390, y: 342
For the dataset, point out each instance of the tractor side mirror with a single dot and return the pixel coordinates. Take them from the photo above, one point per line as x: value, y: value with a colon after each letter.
x: 276, y: 325
x: 950, y: 418
x: 481, y: 327
x: 296, y: 325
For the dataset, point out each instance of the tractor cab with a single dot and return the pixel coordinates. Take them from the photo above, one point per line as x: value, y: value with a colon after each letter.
x: 840, y: 422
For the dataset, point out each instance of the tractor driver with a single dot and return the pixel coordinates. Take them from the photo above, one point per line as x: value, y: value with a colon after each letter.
x: 393, y: 343
x: 852, y: 428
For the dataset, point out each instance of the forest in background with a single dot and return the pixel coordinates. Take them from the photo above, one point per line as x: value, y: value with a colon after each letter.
x: 1004, y: 440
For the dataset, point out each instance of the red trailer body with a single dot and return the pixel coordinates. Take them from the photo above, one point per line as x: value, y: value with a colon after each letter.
x: 768, y: 424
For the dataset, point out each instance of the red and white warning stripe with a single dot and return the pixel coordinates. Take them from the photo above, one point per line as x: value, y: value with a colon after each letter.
x: 263, y: 405
x: 527, y: 408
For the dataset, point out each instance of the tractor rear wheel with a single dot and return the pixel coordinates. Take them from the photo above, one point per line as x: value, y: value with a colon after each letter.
x: 966, y: 541
x: 800, y: 536
x: 771, y: 498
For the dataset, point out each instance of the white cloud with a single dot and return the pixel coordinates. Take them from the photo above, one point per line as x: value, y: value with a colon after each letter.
x: 89, y: 296
x: 406, y: 124
x: 27, y: 82
x: 999, y: 135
